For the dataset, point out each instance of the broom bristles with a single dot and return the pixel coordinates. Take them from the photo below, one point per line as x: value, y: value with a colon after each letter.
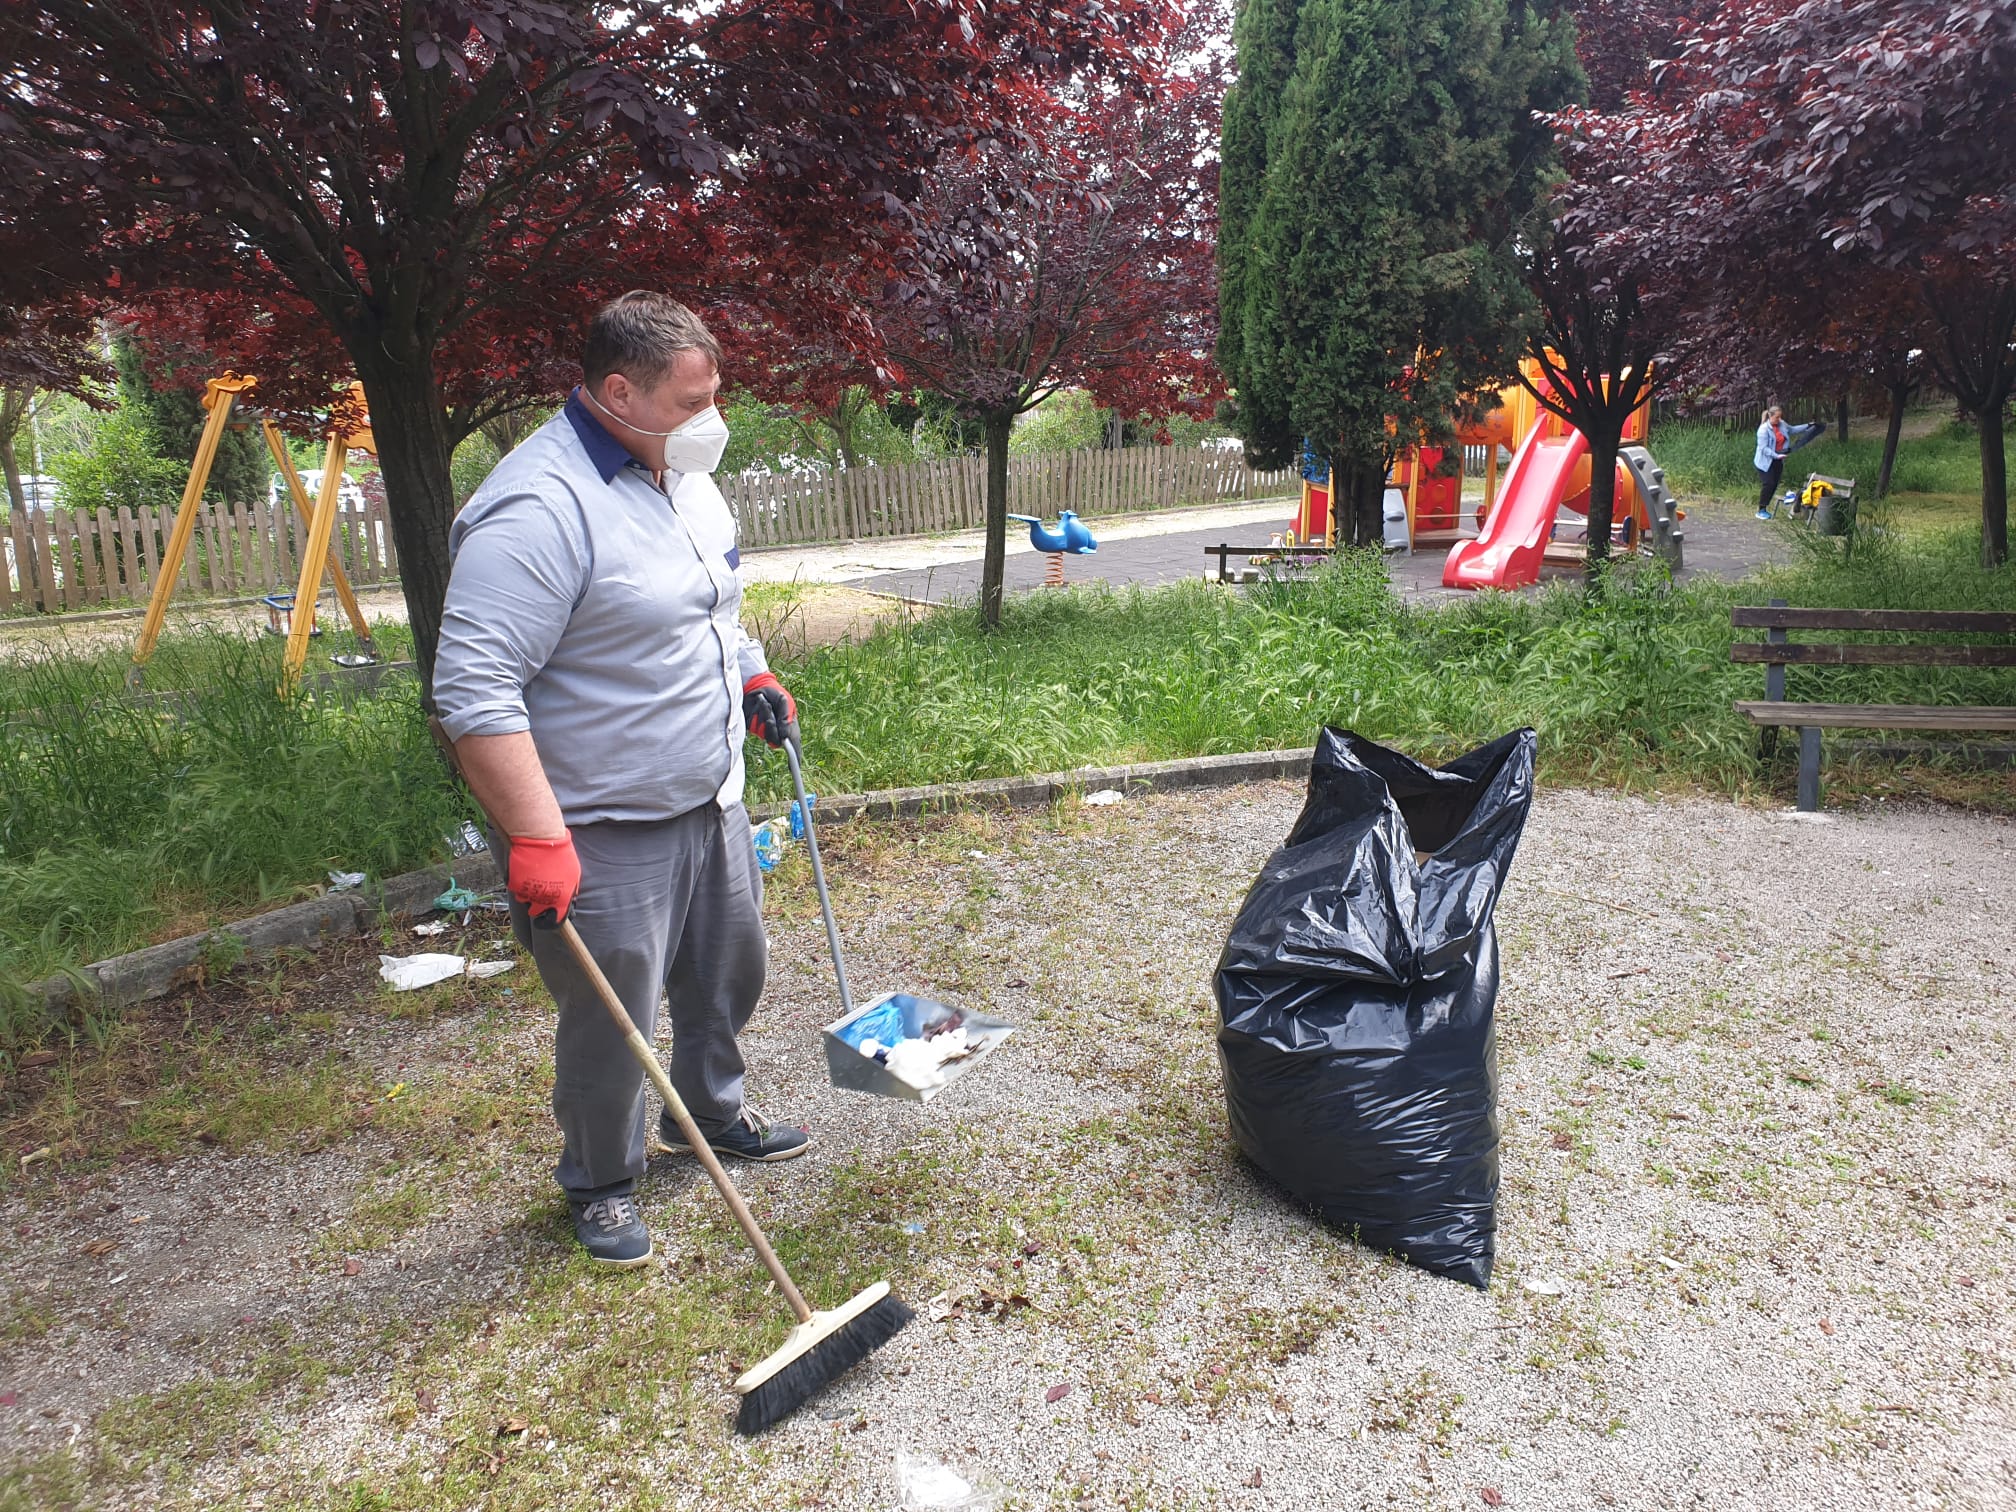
x: 796, y: 1383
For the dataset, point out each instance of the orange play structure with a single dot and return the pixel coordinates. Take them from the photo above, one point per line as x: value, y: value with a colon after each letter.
x: 1516, y: 524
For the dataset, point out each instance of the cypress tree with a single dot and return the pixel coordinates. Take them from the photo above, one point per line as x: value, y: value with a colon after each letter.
x: 174, y: 416
x: 1383, y: 180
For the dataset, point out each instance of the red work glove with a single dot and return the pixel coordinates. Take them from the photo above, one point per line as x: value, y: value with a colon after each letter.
x: 767, y: 707
x: 545, y: 876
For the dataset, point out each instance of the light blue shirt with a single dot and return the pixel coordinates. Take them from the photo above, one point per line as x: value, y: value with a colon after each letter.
x: 600, y: 611
x: 1767, y: 448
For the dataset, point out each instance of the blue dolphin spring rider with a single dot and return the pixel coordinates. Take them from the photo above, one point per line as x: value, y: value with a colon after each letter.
x: 1071, y: 537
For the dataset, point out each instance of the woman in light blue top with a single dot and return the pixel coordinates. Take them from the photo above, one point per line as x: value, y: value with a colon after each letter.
x: 1772, y: 446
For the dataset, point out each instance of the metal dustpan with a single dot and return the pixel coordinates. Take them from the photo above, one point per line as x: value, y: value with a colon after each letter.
x: 899, y: 1016
x: 891, y: 1017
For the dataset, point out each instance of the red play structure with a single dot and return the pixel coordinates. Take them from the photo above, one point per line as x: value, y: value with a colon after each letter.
x: 1517, y: 525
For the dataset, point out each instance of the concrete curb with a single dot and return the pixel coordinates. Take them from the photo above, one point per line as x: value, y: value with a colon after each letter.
x: 160, y: 969
x: 1035, y: 792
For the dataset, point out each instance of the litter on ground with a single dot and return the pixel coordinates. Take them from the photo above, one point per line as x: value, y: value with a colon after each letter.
x: 410, y: 973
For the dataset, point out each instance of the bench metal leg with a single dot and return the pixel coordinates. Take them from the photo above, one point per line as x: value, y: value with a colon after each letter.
x: 1809, y: 769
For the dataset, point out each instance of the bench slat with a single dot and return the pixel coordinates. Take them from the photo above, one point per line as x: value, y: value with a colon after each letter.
x: 1957, y: 621
x: 1786, y: 654
x: 1879, y: 716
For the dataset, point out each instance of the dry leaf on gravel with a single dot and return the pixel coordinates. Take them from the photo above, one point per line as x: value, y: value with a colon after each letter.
x: 97, y: 1249
x: 1827, y: 1327
x: 512, y: 1425
x: 1058, y: 1392
x: 1493, y: 1497
x: 353, y: 1267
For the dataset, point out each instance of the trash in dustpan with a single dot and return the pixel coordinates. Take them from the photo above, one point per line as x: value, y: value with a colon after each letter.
x: 907, y: 1047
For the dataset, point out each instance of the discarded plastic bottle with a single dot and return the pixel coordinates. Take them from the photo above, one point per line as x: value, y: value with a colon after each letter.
x: 798, y: 815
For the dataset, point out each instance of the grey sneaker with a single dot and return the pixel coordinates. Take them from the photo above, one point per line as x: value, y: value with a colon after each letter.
x: 750, y: 1137
x: 612, y: 1233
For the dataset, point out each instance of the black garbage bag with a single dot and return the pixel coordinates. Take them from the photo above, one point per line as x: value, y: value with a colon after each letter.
x: 1355, y: 997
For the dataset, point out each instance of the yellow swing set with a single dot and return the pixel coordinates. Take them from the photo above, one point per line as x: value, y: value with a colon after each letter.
x: 220, y: 395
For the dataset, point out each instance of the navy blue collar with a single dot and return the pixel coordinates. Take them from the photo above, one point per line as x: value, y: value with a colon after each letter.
x: 604, y: 450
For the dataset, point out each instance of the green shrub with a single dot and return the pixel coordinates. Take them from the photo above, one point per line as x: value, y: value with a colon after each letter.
x: 119, y: 466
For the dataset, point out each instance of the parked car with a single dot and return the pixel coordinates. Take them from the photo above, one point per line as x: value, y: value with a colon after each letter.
x: 40, y: 491
x: 349, y: 497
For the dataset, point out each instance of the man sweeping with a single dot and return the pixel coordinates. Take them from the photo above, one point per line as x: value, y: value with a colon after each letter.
x: 595, y: 678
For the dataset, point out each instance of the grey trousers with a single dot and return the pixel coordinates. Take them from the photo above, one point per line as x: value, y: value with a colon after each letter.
x: 672, y: 906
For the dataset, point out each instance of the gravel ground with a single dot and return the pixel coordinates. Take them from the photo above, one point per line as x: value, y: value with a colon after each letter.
x: 1755, y: 1236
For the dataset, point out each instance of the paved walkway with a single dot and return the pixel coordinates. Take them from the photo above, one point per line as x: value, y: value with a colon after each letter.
x: 858, y: 562
x: 1164, y: 548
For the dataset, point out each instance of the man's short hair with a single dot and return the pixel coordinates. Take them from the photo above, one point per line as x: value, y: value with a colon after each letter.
x: 641, y: 335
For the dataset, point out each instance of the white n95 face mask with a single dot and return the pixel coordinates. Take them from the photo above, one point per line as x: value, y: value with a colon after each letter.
x: 694, y: 447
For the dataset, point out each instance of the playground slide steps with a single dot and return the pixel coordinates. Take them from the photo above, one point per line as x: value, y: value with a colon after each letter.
x: 1660, y: 505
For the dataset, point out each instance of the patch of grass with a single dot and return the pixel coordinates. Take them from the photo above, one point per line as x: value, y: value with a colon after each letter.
x: 261, y: 1064
x: 1942, y: 466
x: 53, y: 1480
x: 382, y: 1218
x: 1633, y: 691
x: 122, y: 818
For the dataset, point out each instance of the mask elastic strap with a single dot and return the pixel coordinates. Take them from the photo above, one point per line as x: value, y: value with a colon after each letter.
x: 620, y: 420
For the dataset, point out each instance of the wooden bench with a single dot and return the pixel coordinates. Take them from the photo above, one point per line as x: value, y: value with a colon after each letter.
x: 1302, y: 556
x: 1778, y: 652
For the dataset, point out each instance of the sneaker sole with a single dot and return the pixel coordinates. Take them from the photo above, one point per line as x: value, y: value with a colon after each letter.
x: 682, y: 1148
x: 640, y: 1261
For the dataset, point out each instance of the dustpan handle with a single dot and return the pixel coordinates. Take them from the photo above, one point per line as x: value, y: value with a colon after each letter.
x: 792, y: 750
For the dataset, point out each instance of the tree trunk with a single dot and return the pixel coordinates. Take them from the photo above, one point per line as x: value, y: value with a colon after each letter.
x: 413, y: 452
x: 1604, y: 440
x: 1900, y: 395
x: 846, y: 416
x: 505, y: 431
x: 1358, y: 500
x: 1841, y: 416
x: 14, y: 406
x: 1994, y: 490
x: 998, y: 425
x: 17, y: 498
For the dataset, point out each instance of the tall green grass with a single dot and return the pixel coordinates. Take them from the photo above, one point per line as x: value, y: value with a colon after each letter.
x: 124, y: 821
x: 1634, y: 690
x: 1702, y: 458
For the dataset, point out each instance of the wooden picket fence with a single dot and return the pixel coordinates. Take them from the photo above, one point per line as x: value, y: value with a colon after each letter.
x: 68, y: 559
x: 920, y: 498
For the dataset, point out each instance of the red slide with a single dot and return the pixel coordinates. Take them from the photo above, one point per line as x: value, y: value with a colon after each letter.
x: 1507, y: 554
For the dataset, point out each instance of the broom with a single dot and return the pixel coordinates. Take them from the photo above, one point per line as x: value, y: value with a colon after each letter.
x: 822, y: 1346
